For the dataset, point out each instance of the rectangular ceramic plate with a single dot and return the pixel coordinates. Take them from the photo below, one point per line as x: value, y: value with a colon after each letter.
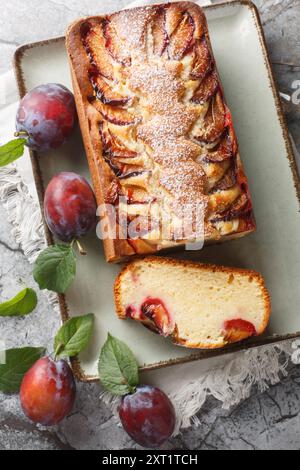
x: 242, y: 60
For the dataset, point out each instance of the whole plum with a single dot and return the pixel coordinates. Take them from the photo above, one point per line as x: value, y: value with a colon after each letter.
x: 148, y: 416
x: 70, y: 206
x: 48, y: 392
x: 46, y: 117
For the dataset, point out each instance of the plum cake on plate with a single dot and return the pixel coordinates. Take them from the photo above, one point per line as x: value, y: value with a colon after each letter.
x: 195, y: 305
x: 159, y: 137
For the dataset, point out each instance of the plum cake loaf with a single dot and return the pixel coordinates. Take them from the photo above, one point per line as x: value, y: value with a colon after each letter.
x: 195, y: 305
x: 158, y: 134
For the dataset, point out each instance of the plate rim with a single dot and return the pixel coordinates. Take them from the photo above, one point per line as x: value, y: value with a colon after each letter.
x: 38, y: 178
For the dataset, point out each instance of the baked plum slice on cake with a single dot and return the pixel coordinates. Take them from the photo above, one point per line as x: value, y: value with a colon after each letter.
x: 115, y: 45
x: 95, y: 45
x: 182, y: 39
x: 104, y: 91
x: 207, y: 89
x: 195, y: 305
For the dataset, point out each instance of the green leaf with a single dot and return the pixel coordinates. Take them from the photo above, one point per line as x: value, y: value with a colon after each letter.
x: 17, y: 363
x: 118, y: 368
x: 74, y: 336
x: 55, y: 268
x: 11, y: 151
x: 23, y: 304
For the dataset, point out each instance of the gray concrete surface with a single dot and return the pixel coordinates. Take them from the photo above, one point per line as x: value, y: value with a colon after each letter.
x: 265, y: 421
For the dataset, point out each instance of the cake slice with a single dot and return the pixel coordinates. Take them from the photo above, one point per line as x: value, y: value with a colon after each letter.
x: 196, y: 305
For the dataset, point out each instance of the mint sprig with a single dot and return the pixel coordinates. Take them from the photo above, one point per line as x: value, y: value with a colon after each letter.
x: 118, y: 367
x: 16, y: 363
x: 74, y: 336
x: 22, y: 304
x: 55, y: 268
x: 11, y: 151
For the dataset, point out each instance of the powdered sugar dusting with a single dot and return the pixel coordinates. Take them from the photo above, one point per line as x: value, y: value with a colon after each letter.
x: 159, y: 84
x: 166, y: 132
x: 169, y: 131
x: 131, y: 25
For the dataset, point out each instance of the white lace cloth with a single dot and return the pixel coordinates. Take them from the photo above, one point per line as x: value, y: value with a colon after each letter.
x: 229, y: 379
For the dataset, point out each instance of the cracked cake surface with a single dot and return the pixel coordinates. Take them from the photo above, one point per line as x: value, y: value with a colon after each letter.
x: 158, y: 134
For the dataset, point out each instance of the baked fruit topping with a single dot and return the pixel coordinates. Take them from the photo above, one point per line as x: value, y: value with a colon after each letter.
x: 166, y: 132
x: 227, y: 182
x: 240, y: 209
x: 117, y: 116
x: 155, y: 312
x: 173, y: 17
x: 203, y: 61
x: 112, y: 146
x: 182, y: 39
x: 121, y: 159
x: 114, y: 44
x: 159, y: 33
x: 95, y: 45
x: 195, y: 305
x: 222, y: 151
x: 104, y: 91
x: 213, y: 125
x: 237, y: 330
x: 207, y: 89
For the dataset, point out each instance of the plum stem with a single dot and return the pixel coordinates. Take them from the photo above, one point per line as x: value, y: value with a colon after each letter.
x: 132, y: 389
x: 81, y: 250
x: 58, y: 350
x: 21, y: 134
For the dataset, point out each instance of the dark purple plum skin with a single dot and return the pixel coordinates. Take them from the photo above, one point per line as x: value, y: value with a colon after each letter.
x: 48, y: 392
x: 48, y: 115
x: 70, y: 206
x: 148, y: 416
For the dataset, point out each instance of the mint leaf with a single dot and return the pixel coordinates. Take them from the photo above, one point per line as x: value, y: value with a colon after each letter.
x: 55, y: 268
x: 23, y: 304
x: 11, y: 151
x: 118, y: 368
x: 74, y: 336
x: 17, y: 363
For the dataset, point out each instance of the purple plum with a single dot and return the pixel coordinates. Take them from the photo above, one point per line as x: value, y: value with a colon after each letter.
x: 70, y: 206
x: 46, y: 117
x: 148, y: 416
x: 48, y: 392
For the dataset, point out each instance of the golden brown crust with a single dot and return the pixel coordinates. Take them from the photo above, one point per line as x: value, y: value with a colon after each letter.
x: 201, y: 267
x: 191, y: 187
